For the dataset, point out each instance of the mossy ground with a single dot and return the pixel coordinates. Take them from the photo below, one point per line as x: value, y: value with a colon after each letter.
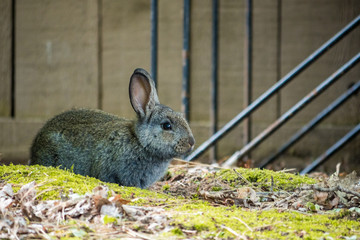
x: 54, y: 182
x: 265, y: 179
x: 211, y: 222
x: 198, y: 219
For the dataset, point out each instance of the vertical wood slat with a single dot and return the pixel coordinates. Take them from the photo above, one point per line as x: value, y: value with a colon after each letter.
x: 56, y: 57
x: 126, y: 46
x: 5, y: 57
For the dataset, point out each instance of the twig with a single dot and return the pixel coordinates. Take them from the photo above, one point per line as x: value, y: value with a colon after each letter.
x: 135, y: 234
x: 230, y: 230
x: 198, y: 164
x: 46, y: 190
x: 242, y: 177
x: 331, y: 189
x: 288, y: 170
x: 244, y: 224
x: 285, y: 199
x: 233, y: 232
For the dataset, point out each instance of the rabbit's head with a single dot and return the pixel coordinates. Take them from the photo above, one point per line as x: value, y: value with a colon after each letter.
x: 159, y: 129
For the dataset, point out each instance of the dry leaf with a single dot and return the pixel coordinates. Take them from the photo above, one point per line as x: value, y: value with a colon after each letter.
x: 320, y: 197
x: 99, y: 202
x: 333, y: 203
x: 6, y: 191
x: 117, y: 199
x: 101, y: 190
x: 247, y: 193
x: 27, y: 192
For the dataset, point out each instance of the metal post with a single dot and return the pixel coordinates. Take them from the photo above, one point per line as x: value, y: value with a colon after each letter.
x: 154, y: 39
x: 214, y: 77
x: 186, y: 61
x: 276, y: 87
x: 248, y: 70
x: 100, y: 83
x: 292, y: 111
x: 278, y: 55
x: 321, y: 116
x: 13, y: 59
x: 332, y: 150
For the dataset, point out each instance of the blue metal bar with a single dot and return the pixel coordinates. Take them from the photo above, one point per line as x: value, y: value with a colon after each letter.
x: 248, y: 70
x: 186, y: 61
x: 332, y: 150
x: 302, y: 132
x: 292, y: 111
x: 154, y: 39
x: 214, y: 76
x: 276, y: 87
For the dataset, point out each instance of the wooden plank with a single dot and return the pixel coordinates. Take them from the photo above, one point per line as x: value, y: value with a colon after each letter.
x: 265, y: 40
x: 16, y: 137
x: 200, y: 61
x: 126, y: 46
x: 265, y: 64
x: 231, y: 68
x: 5, y: 58
x: 170, y: 47
x: 56, y: 56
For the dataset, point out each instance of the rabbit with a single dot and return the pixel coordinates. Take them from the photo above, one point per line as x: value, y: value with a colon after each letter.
x: 113, y: 149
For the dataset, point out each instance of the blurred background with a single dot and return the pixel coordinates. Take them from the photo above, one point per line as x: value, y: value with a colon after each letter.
x: 59, y: 54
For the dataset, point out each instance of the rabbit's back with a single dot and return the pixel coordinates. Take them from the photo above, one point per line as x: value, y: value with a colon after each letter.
x: 81, y: 116
x: 80, y: 139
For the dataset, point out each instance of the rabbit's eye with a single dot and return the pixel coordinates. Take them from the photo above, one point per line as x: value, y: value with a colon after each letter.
x: 166, y: 126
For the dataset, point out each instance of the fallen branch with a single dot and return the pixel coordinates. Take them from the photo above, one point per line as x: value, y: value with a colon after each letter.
x: 331, y: 189
x: 244, y: 224
x: 199, y: 164
x: 285, y: 199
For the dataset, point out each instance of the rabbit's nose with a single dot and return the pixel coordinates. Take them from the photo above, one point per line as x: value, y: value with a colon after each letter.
x: 191, y: 141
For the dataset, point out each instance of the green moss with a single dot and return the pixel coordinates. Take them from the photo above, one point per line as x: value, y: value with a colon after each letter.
x: 177, y: 231
x: 210, y: 221
x: 166, y: 187
x: 51, y: 182
x: 216, y: 189
x: 263, y: 178
x: 108, y: 219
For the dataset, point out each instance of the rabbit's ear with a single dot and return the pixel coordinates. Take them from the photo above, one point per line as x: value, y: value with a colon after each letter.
x: 142, y: 91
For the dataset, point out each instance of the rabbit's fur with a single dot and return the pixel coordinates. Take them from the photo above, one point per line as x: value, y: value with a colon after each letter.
x: 112, y: 149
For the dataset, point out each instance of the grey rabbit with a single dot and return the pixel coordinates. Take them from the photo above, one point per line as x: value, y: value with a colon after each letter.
x: 112, y: 149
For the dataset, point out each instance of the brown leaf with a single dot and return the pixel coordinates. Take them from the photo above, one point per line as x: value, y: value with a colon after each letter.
x: 333, y: 203
x: 320, y: 197
x: 99, y: 202
x: 101, y: 190
x: 177, y: 177
x: 118, y: 200
x: 247, y: 193
x: 82, y: 207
